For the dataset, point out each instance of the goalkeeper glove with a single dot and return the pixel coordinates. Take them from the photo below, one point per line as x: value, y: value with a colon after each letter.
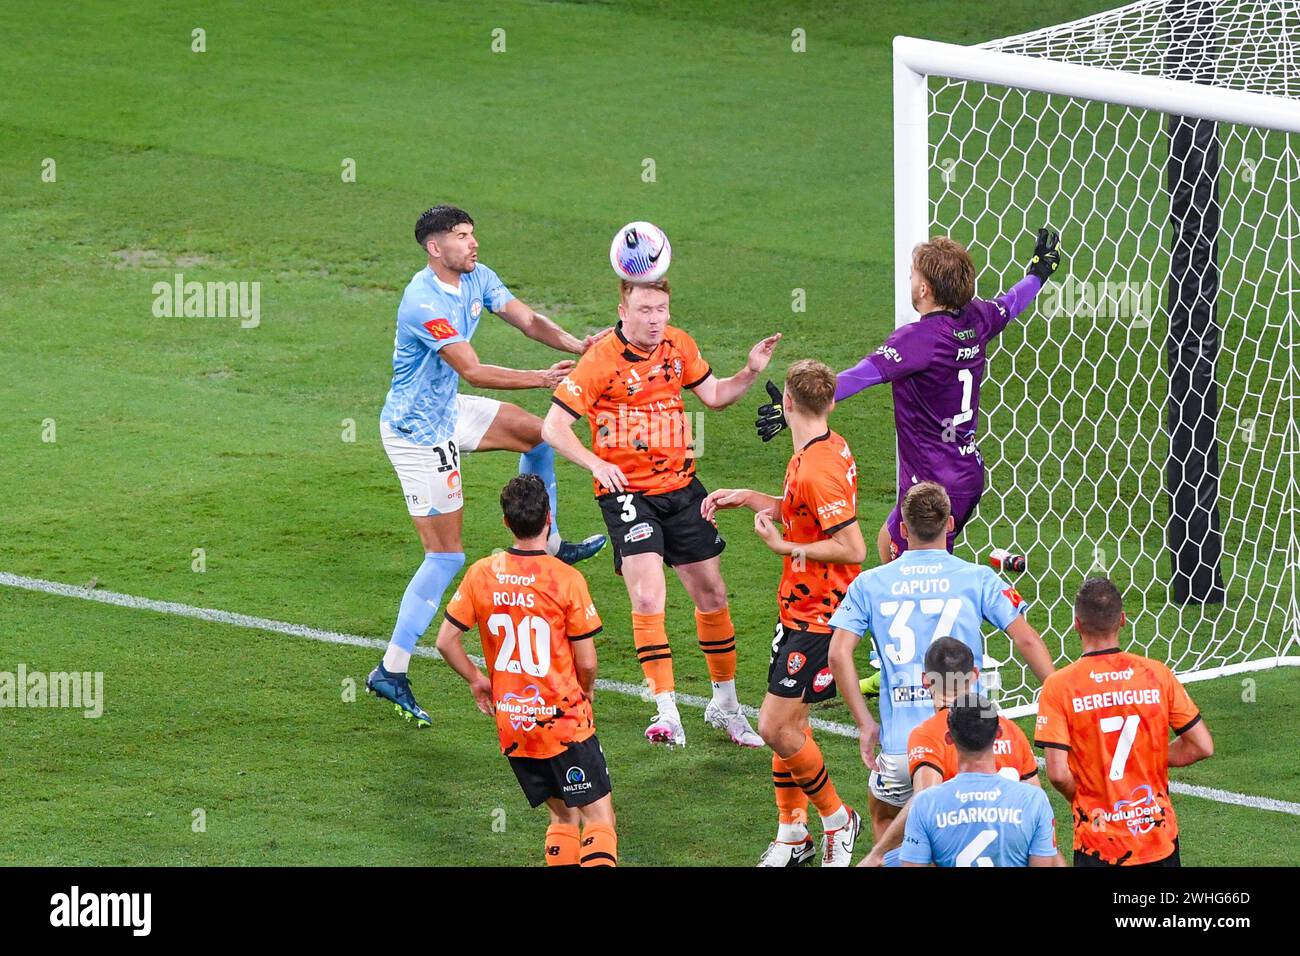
x: 771, y: 417
x: 1047, y: 255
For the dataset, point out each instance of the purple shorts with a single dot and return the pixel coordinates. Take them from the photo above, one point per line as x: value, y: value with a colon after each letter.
x: 963, y: 507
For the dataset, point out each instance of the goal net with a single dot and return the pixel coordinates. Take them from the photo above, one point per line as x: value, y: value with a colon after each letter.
x: 1139, y: 420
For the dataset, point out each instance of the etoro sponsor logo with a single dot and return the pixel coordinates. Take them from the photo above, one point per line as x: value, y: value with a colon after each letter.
x: 525, y: 708
x: 1101, y: 677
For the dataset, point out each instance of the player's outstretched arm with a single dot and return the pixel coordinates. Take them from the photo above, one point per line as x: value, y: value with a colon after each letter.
x: 1044, y: 262
x: 724, y: 499
x: 541, y: 329
x: 557, y: 431
x: 717, y: 393
x: 453, y: 652
x: 462, y: 357
x: 1031, y: 647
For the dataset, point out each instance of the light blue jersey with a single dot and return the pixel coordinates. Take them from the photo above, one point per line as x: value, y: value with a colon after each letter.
x: 904, y: 605
x: 979, y: 819
x: 421, y: 404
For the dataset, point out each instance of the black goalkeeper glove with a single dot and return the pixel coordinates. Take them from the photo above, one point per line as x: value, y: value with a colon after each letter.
x: 771, y: 417
x: 1047, y: 255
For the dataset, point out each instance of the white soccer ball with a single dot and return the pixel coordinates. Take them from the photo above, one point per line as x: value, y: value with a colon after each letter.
x: 640, y: 252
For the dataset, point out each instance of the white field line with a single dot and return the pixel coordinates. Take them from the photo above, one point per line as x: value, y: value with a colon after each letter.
x: 614, y: 686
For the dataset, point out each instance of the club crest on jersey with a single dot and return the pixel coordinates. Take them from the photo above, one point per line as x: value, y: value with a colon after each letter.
x: 441, y: 329
x: 1012, y: 595
x: 476, y: 309
x: 795, y: 662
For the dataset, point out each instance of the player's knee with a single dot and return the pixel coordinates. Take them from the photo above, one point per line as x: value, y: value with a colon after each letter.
x: 773, y: 729
x: 712, y: 597
x: 646, y: 600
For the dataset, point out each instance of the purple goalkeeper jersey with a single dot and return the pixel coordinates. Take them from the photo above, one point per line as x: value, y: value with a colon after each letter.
x: 936, y: 365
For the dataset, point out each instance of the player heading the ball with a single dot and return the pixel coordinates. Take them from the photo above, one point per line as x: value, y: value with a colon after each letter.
x: 642, y: 461
x: 1104, y: 723
x: 822, y: 550
x: 537, y: 622
x: 936, y: 365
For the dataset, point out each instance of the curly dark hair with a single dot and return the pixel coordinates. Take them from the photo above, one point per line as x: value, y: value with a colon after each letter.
x: 439, y: 219
x: 525, y: 504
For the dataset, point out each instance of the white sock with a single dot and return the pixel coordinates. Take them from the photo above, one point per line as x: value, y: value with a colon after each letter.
x: 791, y: 833
x: 667, y: 704
x: 839, y: 818
x: 396, y: 660
x: 724, y: 695
x: 553, y: 543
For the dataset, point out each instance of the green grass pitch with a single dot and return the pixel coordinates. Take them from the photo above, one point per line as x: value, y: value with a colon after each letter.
x: 260, y: 445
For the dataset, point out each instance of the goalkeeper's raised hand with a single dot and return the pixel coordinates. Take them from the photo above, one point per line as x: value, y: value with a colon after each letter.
x: 1047, y: 255
x: 771, y: 416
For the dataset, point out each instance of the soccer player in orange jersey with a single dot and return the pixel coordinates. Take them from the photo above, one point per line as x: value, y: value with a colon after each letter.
x: 537, y: 620
x: 822, y: 547
x: 950, y: 673
x: 1104, y: 722
x: 629, y: 386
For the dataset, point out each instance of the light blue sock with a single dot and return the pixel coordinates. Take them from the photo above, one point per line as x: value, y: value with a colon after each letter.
x: 541, y: 462
x: 423, y: 595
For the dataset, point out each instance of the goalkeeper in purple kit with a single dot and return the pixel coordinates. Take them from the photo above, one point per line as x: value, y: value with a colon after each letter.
x: 935, y: 365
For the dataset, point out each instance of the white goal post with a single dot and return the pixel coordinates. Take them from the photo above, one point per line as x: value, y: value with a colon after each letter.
x: 1140, y: 418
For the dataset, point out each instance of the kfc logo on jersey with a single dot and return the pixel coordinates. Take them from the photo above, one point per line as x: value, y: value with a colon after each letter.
x: 1012, y: 595
x: 795, y: 662
x: 441, y: 329
x: 823, y: 680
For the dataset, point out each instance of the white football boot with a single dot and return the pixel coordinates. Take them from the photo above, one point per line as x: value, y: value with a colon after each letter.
x: 734, y: 722
x: 837, y: 845
x: 788, y: 854
x: 666, y: 730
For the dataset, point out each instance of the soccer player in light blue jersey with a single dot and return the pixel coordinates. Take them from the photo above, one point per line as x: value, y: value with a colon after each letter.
x: 979, y: 817
x: 924, y: 594
x: 426, y: 425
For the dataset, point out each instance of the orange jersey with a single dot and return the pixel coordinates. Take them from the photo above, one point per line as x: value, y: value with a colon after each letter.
x: 930, y: 746
x: 633, y: 400
x: 820, y: 498
x: 529, y: 608
x: 1113, y: 712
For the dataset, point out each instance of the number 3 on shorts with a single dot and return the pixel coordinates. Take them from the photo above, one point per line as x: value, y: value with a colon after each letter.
x: 629, y: 508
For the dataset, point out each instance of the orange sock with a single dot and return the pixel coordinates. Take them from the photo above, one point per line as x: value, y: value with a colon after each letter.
x: 599, y: 845
x: 718, y: 642
x: 652, y: 650
x: 562, y: 845
x: 809, y: 771
x: 791, y: 801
